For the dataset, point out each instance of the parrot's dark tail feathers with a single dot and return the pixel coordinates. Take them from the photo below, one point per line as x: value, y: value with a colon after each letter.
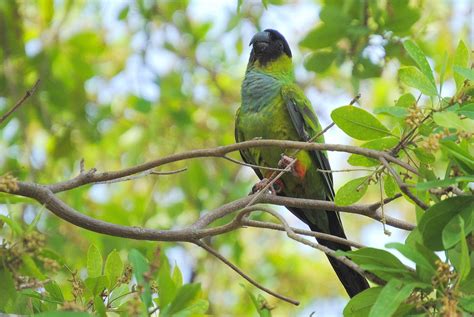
x: 353, y: 281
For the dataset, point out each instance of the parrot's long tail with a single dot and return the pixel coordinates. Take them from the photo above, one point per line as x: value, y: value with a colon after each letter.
x: 352, y: 281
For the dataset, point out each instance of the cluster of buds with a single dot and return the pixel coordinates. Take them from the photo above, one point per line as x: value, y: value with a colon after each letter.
x: 8, y: 183
x: 465, y: 135
x: 414, y: 117
x: 72, y: 306
x: 134, y: 306
x: 33, y: 242
x: 416, y: 299
x: 154, y: 286
x: 126, y: 275
x: 77, y: 286
x: 443, y: 275
x: 50, y: 264
x: 431, y: 144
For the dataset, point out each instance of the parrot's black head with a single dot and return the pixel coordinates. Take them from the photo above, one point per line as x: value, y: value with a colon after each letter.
x: 268, y: 46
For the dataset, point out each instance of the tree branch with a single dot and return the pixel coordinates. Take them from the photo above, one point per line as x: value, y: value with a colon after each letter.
x: 403, y: 187
x: 18, y: 104
x: 93, y: 176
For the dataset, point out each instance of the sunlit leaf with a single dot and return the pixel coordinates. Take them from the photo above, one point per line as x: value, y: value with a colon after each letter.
x: 461, y: 59
x: 351, y: 192
x: 420, y: 59
x: 391, y: 297
x: 413, y: 77
x: 94, y: 262
x: 358, y: 123
x: 439, y: 215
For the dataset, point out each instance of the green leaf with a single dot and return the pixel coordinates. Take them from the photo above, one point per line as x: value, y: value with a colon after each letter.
x: 94, y: 261
x: 390, y: 186
x: 467, y: 303
x: 444, y: 182
x: 8, y: 293
x: 54, y: 291
x: 177, y: 276
x: 437, y: 216
x: 400, y: 17
x: 413, y: 77
x: 351, y: 192
x: 378, y: 258
x: 320, y: 61
x: 413, y: 254
x: 460, y: 154
x: 14, y: 226
x: 99, y: 306
x: 464, y: 263
x: 259, y: 303
x: 442, y: 72
x: 377, y: 144
x: 184, y: 297
x: 406, y: 100
x: 323, y: 36
x: 358, y: 123
x: 464, y: 72
x: 461, y: 58
x: 95, y: 285
x: 113, y: 267
x: 450, y: 234
x: 452, y: 120
x: 140, y: 267
x: 424, y: 156
x: 118, y: 295
x: 420, y: 59
x: 334, y: 26
x: 467, y: 110
x: 391, y: 297
x: 124, y: 13
x: 31, y: 267
x: 197, y: 308
x: 360, y: 305
x: 166, y: 286
x: 394, y: 111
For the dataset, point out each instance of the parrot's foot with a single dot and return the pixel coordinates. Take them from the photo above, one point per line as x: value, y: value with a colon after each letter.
x: 274, y: 189
x: 286, y: 161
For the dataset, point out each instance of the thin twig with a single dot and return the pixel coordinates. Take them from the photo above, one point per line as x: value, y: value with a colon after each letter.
x: 244, y: 275
x: 403, y: 187
x: 141, y: 175
x: 319, y: 235
x: 27, y: 95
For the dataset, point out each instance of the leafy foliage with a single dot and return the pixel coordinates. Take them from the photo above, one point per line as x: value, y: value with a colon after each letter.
x: 121, y: 84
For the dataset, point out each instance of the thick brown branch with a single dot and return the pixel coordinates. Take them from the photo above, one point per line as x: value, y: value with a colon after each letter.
x: 95, y: 177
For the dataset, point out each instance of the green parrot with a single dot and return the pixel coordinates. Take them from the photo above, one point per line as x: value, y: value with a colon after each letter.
x: 274, y: 107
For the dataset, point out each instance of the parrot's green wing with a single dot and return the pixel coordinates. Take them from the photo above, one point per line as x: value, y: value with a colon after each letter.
x: 245, y: 153
x: 307, y: 126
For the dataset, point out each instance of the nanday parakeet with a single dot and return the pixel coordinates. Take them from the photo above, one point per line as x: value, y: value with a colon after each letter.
x: 274, y: 107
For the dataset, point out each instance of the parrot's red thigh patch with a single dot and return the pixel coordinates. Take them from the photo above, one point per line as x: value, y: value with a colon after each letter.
x: 300, y: 169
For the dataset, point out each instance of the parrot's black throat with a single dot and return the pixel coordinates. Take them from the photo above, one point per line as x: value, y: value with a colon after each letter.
x: 268, y: 46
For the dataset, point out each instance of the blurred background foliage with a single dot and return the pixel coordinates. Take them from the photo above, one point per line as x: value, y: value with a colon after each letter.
x: 123, y: 82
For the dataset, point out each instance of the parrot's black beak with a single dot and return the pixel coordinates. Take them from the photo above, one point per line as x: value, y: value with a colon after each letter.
x: 260, y: 41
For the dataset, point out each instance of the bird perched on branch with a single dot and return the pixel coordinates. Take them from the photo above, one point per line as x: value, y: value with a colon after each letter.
x: 274, y: 107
